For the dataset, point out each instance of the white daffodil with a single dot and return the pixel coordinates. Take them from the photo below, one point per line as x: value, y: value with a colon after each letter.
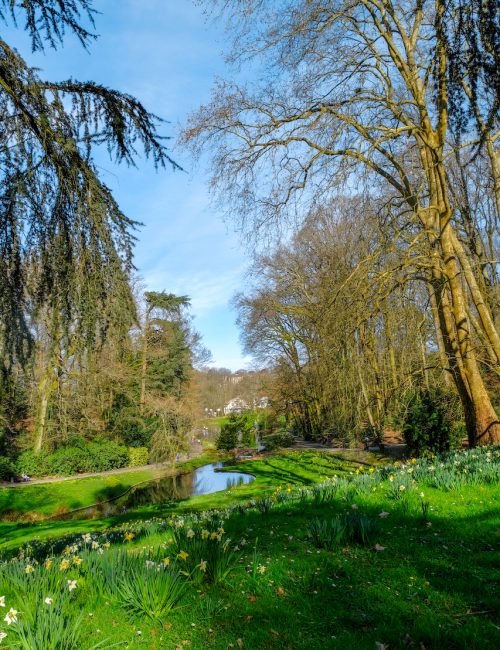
x: 71, y: 585
x: 2, y: 601
x: 48, y: 600
x: 2, y: 636
x: 11, y: 616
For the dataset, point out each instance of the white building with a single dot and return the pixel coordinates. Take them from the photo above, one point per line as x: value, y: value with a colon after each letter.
x: 236, y: 406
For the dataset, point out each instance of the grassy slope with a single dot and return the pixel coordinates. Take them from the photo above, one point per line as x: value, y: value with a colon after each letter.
x: 431, y: 587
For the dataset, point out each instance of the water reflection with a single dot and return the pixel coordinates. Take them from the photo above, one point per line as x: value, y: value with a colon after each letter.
x: 204, y: 480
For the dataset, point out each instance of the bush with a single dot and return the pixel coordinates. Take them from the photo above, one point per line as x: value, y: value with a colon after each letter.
x: 228, y: 439
x: 104, y: 456
x: 238, y: 430
x: 281, y: 438
x: 138, y: 456
x: 66, y: 461
x: 428, y: 426
x: 32, y: 464
x: 7, y: 469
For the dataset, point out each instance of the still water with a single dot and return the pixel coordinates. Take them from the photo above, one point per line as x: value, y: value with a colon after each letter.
x: 204, y: 480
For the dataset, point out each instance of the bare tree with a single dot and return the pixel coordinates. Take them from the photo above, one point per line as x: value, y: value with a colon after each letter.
x: 356, y: 94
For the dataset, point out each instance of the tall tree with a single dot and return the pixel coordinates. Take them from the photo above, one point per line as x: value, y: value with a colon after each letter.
x: 357, y: 92
x: 64, y: 242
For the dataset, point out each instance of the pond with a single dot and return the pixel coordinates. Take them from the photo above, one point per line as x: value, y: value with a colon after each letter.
x: 204, y: 480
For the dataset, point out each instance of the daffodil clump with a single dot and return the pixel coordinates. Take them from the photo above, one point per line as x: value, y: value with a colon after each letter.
x: 202, y: 552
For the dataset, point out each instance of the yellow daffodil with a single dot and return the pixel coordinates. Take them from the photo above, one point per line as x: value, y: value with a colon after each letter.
x: 48, y: 564
x: 183, y: 555
x: 202, y: 566
x: 29, y: 568
x: 129, y: 536
x: 64, y: 565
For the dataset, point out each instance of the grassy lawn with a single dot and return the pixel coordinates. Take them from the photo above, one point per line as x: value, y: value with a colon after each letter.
x: 426, y: 575
x: 60, y: 497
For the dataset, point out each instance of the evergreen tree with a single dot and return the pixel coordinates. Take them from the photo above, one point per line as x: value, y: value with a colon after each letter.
x: 65, y: 244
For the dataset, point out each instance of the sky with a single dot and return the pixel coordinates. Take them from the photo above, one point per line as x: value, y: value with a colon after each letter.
x: 167, y: 54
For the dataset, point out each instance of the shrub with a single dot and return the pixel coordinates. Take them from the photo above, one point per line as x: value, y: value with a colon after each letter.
x: 281, y: 438
x: 138, y: 456
x: 105, y: 456
x: 239, y: 429
x: 32, y: 464
x: 66, y: 461
x: 428, y: 426
x: 7, y: 469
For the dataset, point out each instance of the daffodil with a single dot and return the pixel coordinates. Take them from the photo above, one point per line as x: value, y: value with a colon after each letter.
x: 2, y: 601
x: 2, y: 636
x: 183, y: 555
x: 48, y: 600
x: 48, y: 564
x: 29, y: 569
x: 202, y: 565
x: 11, y: 616
x: 71, y: 584
x: 64, y: 565
x: 129, y: 536
x: 205, y: 534
x: 77, y: 560
x: 166, y: 561
x: 190, y: 533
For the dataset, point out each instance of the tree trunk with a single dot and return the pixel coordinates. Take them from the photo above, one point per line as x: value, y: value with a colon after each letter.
x: 144, y: 365
x: 483, y: 425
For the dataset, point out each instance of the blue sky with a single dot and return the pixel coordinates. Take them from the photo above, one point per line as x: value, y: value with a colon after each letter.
x: 166, y: 54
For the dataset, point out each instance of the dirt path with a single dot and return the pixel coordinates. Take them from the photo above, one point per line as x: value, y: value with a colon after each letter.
x: 196, y: 450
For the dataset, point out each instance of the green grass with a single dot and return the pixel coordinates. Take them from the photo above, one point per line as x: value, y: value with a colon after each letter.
x: 47, y: 499
x: 298, y: 468
x: 433, y: 585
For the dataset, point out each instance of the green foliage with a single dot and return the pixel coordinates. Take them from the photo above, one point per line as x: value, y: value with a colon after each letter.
x: 50, y: 628
x: 31, y: 463
x: 7, y: 469
x: 428, y: 426
x: 237, y: 430
x: 138, y: 456
x: 328, y: 534
x: 126, y: 423
x: 279, y: 439
x: 150, y: 590
x: 65, y: 461
x: 355, y: 527
x: 201, y: 552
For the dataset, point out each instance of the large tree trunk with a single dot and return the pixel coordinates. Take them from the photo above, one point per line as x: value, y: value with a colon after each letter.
x: 483, y: 425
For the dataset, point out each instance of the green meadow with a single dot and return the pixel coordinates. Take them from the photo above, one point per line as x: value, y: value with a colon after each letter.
x: 318, y: 552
